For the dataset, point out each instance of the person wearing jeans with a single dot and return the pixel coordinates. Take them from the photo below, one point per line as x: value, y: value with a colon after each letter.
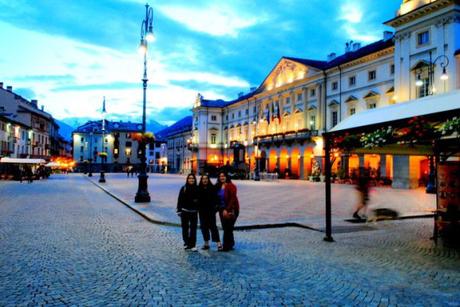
x: 229, y: 209
x: 187, y: 209
x: 207, y: 212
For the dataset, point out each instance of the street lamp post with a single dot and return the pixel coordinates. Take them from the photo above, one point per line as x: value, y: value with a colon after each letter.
x: 103, y: 153
x: 444, y: 62
x: 142, y: 195
x: 90, y: 170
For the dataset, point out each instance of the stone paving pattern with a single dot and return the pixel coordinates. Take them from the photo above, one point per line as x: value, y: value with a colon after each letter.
x: 264, y: 202
x: 65, y: 242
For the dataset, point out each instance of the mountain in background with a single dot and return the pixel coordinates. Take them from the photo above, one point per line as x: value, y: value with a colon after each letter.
x: 64, y: 129
x: 67, y: 125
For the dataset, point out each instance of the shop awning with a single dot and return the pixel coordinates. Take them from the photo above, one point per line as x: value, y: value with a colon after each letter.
x: 22, y: 161
x: 420, y: 107
x: 53, y: 164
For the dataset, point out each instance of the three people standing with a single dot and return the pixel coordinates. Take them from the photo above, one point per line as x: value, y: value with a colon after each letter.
x: 208, y: 199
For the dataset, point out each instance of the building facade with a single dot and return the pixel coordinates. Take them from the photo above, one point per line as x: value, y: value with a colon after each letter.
x: 38, y: 132
x: 277, y: 126
x: 118, y: 140
x: 178, y: 138
x: 14, y: 137
x: 157, y: 156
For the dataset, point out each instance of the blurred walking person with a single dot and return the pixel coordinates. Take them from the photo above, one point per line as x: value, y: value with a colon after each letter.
x: 362, y: 187
x: 207, y: 212
x: 187, y: 209
x: 229, y: 209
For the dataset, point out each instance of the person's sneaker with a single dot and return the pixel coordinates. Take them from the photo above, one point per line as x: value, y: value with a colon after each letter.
x: 186, y: 246
x: 205, y: 247
x: 194, y: 249
x: 356, y: 216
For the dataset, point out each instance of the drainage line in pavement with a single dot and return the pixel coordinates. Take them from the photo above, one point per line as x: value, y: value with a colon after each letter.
x: 237, y: 228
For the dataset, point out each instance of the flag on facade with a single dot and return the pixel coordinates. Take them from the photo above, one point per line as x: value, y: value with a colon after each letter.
x: 278, y: 112
x: 273, y: 110
x: 267, y: 114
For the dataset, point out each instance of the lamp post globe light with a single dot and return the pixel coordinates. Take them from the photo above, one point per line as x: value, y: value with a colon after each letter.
x: 142, y: 195
x: 103, y: 154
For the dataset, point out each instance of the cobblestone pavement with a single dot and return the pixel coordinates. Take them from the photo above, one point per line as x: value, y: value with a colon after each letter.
x: 283, y: 201
x: 65, y: 242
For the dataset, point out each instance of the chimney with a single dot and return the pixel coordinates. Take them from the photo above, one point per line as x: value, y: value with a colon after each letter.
x: 387, y: 35
x: 253, y: 88
x: 9, y: 88
x: 1, y: 84
x: 348, y: 46
x: 43, y: 107
x: 240, y: 94
x: 34, y: 102
x: 356, y: 46
x: 331, y: 56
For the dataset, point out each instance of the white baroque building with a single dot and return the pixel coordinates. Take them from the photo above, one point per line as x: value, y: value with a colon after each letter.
x: 278, y: 125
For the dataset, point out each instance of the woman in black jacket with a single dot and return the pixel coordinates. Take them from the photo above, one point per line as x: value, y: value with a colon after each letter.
x: 208, y: 208
x: 187, y: 209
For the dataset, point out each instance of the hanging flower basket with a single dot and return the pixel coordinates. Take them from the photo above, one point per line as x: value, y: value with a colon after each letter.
x: 417, y: 129
x: 102, y: 154
x: 377, y: 138
x: 449, y: 127
x: 347, y: 142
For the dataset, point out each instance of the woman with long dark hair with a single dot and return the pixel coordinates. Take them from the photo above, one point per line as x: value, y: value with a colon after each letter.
x: 207, y: 212
x: 187, y: 209
x: 229, y: 208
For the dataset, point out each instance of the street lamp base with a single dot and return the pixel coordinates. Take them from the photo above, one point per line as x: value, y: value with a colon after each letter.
x: 142, y: 195
x: 328, y: 238
x: 102, y: 177
x: 90, y: 175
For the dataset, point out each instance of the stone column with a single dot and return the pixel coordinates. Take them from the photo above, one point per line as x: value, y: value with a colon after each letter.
x: 402, y: 178
x: 361, y: 160
x: 383, y: 166
x: 345, y: 164
x: 301, y: 171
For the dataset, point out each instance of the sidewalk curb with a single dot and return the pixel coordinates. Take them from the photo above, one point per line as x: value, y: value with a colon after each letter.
x: 148, y: 218
x: 165, y: 223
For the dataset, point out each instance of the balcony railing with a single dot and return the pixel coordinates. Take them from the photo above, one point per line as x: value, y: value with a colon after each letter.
x: 290, y: 136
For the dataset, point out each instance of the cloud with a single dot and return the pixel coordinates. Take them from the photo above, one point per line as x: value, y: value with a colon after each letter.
x: 354, y: 24
x: 100, y: 86
x: 364, y: 36
x: 216, y: 20
x: 351, y: 12
x: 46, y: 78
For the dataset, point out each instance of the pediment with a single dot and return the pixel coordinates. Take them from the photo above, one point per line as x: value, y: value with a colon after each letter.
x: 286, y: 71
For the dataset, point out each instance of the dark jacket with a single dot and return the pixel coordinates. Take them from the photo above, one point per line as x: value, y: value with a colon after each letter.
x: 208, y: 198
x: 188, y: 199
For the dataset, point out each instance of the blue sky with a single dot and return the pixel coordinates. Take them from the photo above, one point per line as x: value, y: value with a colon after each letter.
x: 69, y: 54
